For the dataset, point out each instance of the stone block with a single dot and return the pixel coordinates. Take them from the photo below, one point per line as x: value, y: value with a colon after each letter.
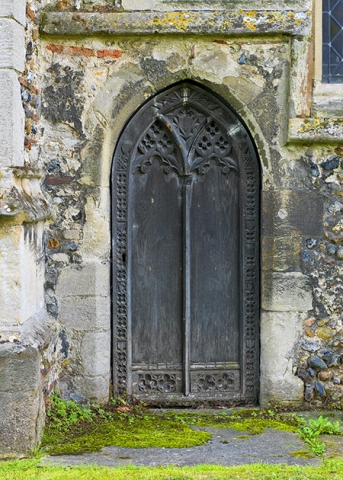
x: 96, y: 353
x: 301, y: 82
x: 287, y: 212
x: 19, y: 414
x: 12, y: 44
x: 21, y: 403
x: 21, y: 289
x: 94, y: 388
x: 138, y: 4
x: 19, y: 368
x: 14, y: 9
x: 280, y: 333
x: 11, y: 120
x: 97, y: 235
x: 177, y: 5
x: 85, y: 313
x: 283, y: 292
x: 281, y: 253
x: 10, y: 283
x: 90, y: 279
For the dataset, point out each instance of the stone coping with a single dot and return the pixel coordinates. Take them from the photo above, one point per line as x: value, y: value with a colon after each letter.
x: 289, y: 21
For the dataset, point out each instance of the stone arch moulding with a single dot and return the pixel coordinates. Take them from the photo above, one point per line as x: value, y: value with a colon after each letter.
x: 185, y: 238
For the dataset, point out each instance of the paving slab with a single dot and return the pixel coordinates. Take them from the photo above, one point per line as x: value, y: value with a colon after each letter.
x: 226, y: 447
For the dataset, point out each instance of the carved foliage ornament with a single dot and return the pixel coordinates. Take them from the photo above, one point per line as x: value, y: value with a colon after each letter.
x: 186, y: 139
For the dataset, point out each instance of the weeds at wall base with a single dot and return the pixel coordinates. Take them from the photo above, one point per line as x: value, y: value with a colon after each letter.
x: 73, y: 429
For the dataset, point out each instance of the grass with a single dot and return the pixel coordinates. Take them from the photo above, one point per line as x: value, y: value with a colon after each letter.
x: 30, y: 470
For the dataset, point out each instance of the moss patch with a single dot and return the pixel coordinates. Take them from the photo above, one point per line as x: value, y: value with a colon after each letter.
x: 150, y: 431
x: 256, y: 426
x: 302, y: 454
x: 251, y: 421
x: 74, y: 430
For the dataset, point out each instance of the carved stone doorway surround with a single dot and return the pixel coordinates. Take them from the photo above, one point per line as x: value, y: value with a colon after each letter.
x: 185, y: 205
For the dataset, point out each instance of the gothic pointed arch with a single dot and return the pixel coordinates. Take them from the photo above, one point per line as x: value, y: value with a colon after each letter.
x: 185, y: 184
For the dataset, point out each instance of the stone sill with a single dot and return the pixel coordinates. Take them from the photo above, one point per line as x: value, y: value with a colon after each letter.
x: 328, y: 99
x: 164, y: 5
x: 316, y: 130
x: 328, y: 89
x: 289, y: 22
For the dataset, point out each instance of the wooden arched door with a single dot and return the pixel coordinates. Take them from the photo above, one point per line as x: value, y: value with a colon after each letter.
x: 186, y: 252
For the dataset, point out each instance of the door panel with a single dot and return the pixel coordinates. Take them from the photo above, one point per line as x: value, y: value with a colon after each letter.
x: 156, y: 269
x: 215, y: 276
x: 186, y: 252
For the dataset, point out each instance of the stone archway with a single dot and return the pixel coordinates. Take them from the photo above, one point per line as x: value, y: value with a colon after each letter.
x: 186, y: 252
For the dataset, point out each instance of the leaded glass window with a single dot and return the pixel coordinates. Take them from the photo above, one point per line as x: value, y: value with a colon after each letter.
x: 333, y: 41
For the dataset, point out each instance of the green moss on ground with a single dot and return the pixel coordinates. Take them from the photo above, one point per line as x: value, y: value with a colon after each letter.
x: 302, y: 454
x: 149, y: 431
x: 75, y: 430
x: 251, y: 421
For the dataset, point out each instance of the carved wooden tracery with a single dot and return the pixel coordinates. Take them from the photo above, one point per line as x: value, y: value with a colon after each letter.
x: 186, y: 130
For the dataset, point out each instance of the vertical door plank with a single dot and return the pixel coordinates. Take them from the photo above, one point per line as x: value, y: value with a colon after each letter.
x: 156, y: 261
x: 215, y: 268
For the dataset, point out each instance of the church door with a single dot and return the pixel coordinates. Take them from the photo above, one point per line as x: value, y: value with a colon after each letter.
x: 186, y: 252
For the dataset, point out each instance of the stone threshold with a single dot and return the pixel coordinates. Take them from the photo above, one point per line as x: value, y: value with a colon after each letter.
x: 236, y: 22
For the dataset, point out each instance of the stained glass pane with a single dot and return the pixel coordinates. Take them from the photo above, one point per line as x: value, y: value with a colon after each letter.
x: 337, y: 13
x: 335, y: 28
x: 337, y: 43
x: 332, y: 41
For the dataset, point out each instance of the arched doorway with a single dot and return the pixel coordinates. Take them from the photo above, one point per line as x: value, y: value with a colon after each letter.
x: 186, y: 252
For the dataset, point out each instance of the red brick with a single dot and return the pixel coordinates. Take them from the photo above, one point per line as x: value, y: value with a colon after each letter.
x: 53, y: 243
x: 57, y: 180
x: 28, y: 142
x: 22, y: 81
x: 55, y: 48
x: 30, y: 12
x: 82, y: 51
x: 34, y: 90
x: 109, y: 53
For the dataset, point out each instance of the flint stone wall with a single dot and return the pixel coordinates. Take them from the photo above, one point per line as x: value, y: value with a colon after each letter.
x: 266, y: 79
x: 103, y: 84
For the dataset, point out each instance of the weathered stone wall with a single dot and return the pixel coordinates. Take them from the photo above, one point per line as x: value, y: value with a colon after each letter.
x: 25, y: 328
x: 88, y: 69
x: 103, y: 80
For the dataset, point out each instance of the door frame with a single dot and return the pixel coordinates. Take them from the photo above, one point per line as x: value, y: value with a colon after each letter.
x: 250, y: 290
